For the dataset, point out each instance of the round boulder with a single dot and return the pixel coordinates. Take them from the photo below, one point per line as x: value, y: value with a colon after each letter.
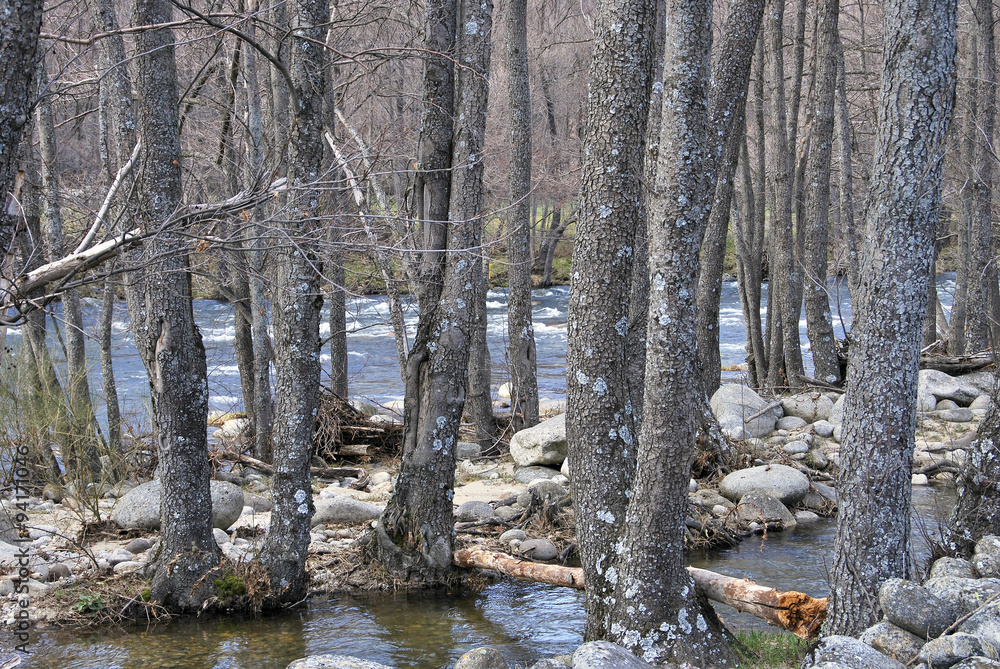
x: 947, y: 651
x: 914, y: 608
x: 892, y: 641
x: 335, y: 662
x: 139, y: 508
x: 757, y: 506
x: 810, y: 407
x: 543, y: 444
x: 733, y: 403
x: 482, y: 658
x: 344, y: 510
x: 786, y: 484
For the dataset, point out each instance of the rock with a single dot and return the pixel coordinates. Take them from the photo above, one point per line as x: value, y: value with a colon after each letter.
x: 985, y: 624
x: 378, y: 478
x: 914, y: 608
x: 467, y: 450
x: 786, y: 484
x: 945, y: 404
x: 366, y: 409
x: 344, y: 510
x: 810, y: 407
x: 893, y: 641
x: 127, y: 566
x: 220, y: 536
x: 791, y: 423
x: 763, y: 508
x: 529, y: 474
x: 257, y: 502
x: 733, y: 403
x: 503, y: 392
x: 708, y: 498
x: 119, y: 556
x: 606, y: 655
x: 795, y: 447
x: 513, y: 535
x: 805, y: 517
x: 538, y: 549
x: 962, y: 415
x: 816, y: 459
x: 849, y: 652
x: 335, y: 662
x: 919, y: 479
x: 564, y: 470
x: 948, y: 566
x: 550, y: 489
x: 946, y: 387
x: 482, y: 658
x: 977, y: 663
x: 981, y: 403
x: 232, y: 428
x: 986, y: 559
x: 59, y: 571
x: 543, y: 444
x: 949, y: 650
x: 820, y: 496
x: 963, y: 595
x: 508, y: 513
x: 138, y: 545
x: 139, y: 508
x: 8, y: 531
x: 823, y: 429
x: 473, y: 511
x: 550, y: 663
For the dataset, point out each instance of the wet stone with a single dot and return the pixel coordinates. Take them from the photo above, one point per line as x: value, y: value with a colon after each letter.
x: 335, y: 662
x: 482, y: 658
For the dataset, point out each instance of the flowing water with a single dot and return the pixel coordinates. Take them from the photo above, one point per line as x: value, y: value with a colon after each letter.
x: 526, y: 621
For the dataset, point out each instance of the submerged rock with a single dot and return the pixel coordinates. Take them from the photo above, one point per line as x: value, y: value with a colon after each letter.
x: 335, y: 662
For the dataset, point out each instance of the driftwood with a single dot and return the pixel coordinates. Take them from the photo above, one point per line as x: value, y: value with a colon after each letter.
x: 956, y: 364
x: 794, y: 611
x: 323, y: 472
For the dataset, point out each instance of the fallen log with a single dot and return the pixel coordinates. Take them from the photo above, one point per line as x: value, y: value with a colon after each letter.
x: 323, y: 472
x: 956, y: 364
x: 796, y: 612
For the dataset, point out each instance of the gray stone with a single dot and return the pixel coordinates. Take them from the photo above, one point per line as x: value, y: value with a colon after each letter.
x: 550, y: 489
x: 948, y: 566
x: 473, y: 511
x: 606, y: 655
x: 893, y: 641
x: 220, y: 536
x: 708, y: 498
x: 810, y: 407
x: 127, y: 566
x: 513, y: 535
x: 258, y: 503
x: 529, y: 474
x: 550, y: 663
x: 914, y: 608
x: 482, y: 658
x: 59, y: 571
x: 837, y: 413
x: 849, y: 652
x: 791, y: 423
x: 335, y: 662
x: 138, y: 545
x: 987, y: 565
x: 366, y: 409
x: 981, y: 403
x: 946, y: 404
x: 985, y: 624
x: 344, y: 510
x: 820, y: 497
x: 805, y: 517
x: 139, y: 508
x: 538, y: 549
x: 823, y: 429
x: 543, y: 444
x: 118, y: 556
x: 948, y: 650
x: 508, y: 513
x: 817, y: 459
x: 961, y: 415
x: 467, y: 450
x: 763, y: 508
x: 795, y: 447
x: 8, y: 532
x: 786, y: 484
x: 946, y: 387
x: 977, y: 663
x: 733, y: 403
x: 564, y: 470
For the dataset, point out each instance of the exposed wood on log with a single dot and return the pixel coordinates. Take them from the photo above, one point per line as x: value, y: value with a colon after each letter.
x: 323, y: 472
x: 957, y: 364
x: 794, y: 611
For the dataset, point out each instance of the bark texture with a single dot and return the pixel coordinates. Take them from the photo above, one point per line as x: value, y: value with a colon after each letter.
x: 917, y: 97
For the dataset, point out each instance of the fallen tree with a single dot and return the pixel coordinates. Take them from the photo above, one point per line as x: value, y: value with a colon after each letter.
x: 796, y: 612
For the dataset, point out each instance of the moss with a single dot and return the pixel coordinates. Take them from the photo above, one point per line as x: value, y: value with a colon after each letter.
x: 230, y: 586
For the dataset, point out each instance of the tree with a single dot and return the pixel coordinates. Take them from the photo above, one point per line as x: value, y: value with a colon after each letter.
x: 520, y: 333
x: 917, y: 97
x: 165, y: 333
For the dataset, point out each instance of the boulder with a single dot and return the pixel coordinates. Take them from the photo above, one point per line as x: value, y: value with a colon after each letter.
x: 8, y: 531
x: 986, y: 559
x: 795, y: 447
x: 893, y: 641
x: 823, y: 428
x: 948, y: 566
x: 757, y: 506
x: 810, y: 407
x: 606, y: 655
x: 468, y: 450
x: 977, y: 663
x: 820, y: 496
x: 538, y: 549
x: 529, y: 474
x: 914, y: 608
x: 791, y: 423
x: 139, y: 508
x: 985, y: 624
x: 962, y: 594
x: 849, y: 652
x: 343, y: 510
x: 335, y: 662
x: 981, y: 403
x: 786, y: 484
x: 946, y: 651
x: 541, y: 489
x: 946, y: 387
x: 733, y: 403
x: 959, y: 415
x: 256, y: 502
x: 543, y: 444
x: 473, y: 511
x: 482, y: 658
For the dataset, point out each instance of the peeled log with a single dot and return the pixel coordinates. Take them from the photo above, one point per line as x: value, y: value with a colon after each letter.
x: 796, y: 612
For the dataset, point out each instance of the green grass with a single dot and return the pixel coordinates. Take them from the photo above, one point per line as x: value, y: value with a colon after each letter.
x: 772, y: 650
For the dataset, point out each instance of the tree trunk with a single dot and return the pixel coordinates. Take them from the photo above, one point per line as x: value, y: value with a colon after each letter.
x: 414, y: 538
x: 977, y: 512
x: 480, y: 380
x: 966, y: 271
x: 113, y: 408
x: 817, y: 299
x: 520, y: 331
x: 656, y: 614
x: 600, y: 419
x: 873, y: 527
x: 844, y: 137
x: 165, y: 334
x: 297, y: 298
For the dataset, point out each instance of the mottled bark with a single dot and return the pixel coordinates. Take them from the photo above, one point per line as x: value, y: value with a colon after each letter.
x: 846, y: 190
x: 917, y: 95
x: 520, y: 333
x: 966, y: 272
x: 785, y: 357
x: 656, y: 614
x: 977, y: 512
x: 113, y: 408
x: 479, y: 400
x: 165, y: 334
x: 817, y: 221
x: 297, y: 298
x: 18, y: 45
x: 415, y: 536
x: 600, y: 425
